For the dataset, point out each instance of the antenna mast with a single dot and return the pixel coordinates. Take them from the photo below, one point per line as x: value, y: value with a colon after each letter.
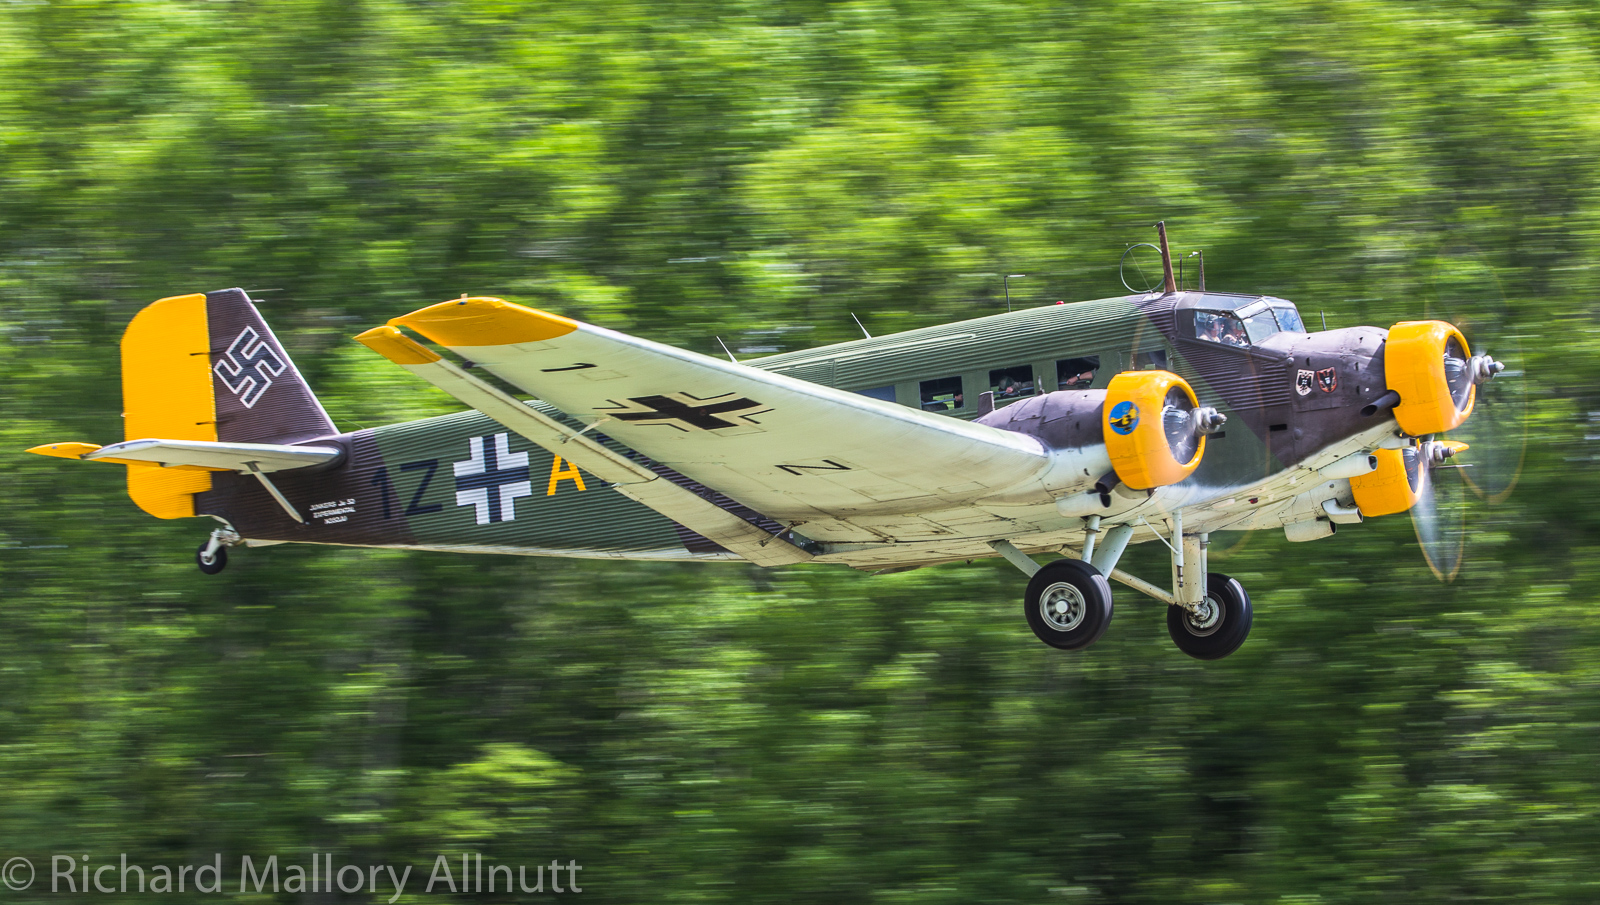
x: 1170, y: 285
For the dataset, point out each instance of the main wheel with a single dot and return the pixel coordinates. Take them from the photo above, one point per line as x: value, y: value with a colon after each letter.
x: 1068, y: 604
x: 217, y: 562
x: 1219, y: 626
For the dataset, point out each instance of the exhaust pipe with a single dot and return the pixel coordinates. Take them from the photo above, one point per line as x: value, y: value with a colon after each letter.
x: 1381, y: 404
x: 1351, y: 466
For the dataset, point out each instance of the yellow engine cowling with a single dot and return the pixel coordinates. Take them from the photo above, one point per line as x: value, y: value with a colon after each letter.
x: 1394, y: 486
x: 1414, y: 365
x: 1135, y: 436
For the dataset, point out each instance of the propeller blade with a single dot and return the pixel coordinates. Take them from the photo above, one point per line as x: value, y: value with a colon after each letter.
x: 1469, y: 296
x: 1498, y: 429
x: 1439, y: 517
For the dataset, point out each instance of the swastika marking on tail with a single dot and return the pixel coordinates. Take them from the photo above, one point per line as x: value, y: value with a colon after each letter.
x: 492, y: 479
x: 248, y: 366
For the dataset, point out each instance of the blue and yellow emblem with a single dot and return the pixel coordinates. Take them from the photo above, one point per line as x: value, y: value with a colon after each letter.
x: 1124, y: 417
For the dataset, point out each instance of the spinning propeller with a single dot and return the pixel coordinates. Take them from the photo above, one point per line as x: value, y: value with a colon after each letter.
x: 1480, y: 461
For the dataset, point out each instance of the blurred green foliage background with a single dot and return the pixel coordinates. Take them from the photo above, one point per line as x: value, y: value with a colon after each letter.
x: 681, y: 170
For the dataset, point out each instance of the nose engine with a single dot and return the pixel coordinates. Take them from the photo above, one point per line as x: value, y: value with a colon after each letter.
x: 1431, y: 367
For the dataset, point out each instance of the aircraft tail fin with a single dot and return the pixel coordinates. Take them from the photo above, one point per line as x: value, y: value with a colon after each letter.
x: 206, y: 367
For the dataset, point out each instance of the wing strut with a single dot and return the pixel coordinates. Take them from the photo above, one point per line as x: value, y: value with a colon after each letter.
x: 276, y: 493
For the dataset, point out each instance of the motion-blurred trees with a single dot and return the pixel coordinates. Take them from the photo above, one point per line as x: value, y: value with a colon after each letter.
x: 706, y: 733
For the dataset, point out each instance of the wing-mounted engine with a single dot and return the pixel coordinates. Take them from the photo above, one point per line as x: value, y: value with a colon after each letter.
x: 1155, y: 428
x: 1145, y: 430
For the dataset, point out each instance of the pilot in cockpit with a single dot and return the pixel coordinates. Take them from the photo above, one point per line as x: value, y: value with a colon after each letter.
x: 1219, y: 328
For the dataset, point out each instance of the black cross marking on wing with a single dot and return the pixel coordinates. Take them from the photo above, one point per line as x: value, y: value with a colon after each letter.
x: 830, y: 466
x: 698, y: 414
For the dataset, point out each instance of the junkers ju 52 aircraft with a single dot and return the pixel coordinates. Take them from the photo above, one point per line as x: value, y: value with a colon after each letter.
x: 1079, y: 429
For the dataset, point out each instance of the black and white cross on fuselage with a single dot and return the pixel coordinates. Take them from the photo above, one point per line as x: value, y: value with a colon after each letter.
x: 686, y: 412
x: 493, y: 479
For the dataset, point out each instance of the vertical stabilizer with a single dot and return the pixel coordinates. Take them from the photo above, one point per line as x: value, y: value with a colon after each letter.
x: 207, y: 367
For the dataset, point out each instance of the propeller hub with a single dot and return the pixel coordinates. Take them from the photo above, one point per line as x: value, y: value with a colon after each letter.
x: 1484, y: 368
x: 1207, y: 420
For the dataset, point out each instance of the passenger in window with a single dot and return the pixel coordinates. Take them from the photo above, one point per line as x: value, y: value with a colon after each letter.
x: 1009, y: 388
x: 1076, y: 373
x: 941, y: 394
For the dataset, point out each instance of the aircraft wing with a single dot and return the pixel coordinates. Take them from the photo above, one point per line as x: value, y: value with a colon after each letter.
x: 790, y: 449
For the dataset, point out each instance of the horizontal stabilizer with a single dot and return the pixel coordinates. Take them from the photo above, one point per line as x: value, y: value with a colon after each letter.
x: 245, y: 457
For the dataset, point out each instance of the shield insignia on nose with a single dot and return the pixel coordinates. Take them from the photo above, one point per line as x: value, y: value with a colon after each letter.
x: 1303, y: 381
x: 1328, y: 379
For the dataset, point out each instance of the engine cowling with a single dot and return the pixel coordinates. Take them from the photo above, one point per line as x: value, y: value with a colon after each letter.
x: 1430, y: 365
x: 1154, y: 428
x: 1401, y: 477
x: 1393, y: 486
x: 1145, y: 428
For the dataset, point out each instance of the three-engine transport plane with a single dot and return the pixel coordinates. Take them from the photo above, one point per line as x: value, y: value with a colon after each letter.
x: 1075, y: 429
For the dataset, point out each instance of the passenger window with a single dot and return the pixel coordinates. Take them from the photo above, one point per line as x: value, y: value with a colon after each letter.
x: 1154, y: 360
x: 1076, y: 373
x: 1011, y: 383
x: 1218, y: 327
x: 884, y: 393
x: 942, y: 395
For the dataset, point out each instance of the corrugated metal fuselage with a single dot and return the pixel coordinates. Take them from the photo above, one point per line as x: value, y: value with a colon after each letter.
x: 463, y: 482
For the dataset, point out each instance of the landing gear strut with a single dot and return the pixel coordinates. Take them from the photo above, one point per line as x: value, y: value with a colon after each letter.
x: 1068, y: 603
x: 1217, y: 625
x: 212, y: 557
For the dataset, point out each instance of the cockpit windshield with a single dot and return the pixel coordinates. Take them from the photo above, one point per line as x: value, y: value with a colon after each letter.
x: 1258, y: 321
x: 1288, y: 317
x: 1248, y: 324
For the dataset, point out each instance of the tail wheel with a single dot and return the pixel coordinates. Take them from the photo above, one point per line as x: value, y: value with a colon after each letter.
x: 1218, y: 626
x: 1068, y: 604
x: 216, y: 562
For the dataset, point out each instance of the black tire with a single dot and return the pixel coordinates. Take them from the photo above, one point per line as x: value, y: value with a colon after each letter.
x: 1221, y: 627
x: 219, y: 559
x: 1068, y: 604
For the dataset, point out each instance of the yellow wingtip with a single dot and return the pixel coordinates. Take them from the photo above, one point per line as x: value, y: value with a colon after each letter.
x: 65, y: 450
x: 484, y: 322
x: 396, y: 346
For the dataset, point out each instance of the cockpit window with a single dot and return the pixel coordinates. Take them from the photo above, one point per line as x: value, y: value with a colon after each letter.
x: 1219, y: 327
x: 1288, y: 318
x: 1250, y: 321
x: 1258, y: 322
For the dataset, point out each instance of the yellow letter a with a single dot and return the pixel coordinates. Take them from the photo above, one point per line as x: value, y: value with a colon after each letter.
x: 557, y: 473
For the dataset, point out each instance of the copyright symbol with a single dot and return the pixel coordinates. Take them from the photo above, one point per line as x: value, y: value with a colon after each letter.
x: 12, y: 874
